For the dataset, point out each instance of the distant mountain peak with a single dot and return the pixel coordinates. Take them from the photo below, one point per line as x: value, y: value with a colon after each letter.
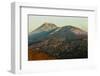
x: 48, y: 25
x: 45, y: 27
x: 70, y: 30
x: 70, y: 27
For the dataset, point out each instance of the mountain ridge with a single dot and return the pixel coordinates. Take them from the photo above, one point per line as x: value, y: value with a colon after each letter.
x: 50, y: 30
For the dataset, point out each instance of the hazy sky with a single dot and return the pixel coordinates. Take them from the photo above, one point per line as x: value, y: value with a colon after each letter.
x: 36, y: 21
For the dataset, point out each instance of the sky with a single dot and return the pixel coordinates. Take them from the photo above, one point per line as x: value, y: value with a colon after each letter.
x: 37, y: 20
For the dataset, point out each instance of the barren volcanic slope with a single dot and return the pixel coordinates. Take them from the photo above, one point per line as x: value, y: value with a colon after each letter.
x: 52, y: 42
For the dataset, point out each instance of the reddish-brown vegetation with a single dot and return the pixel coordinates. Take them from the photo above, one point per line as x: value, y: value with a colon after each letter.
x: 38, y: 55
